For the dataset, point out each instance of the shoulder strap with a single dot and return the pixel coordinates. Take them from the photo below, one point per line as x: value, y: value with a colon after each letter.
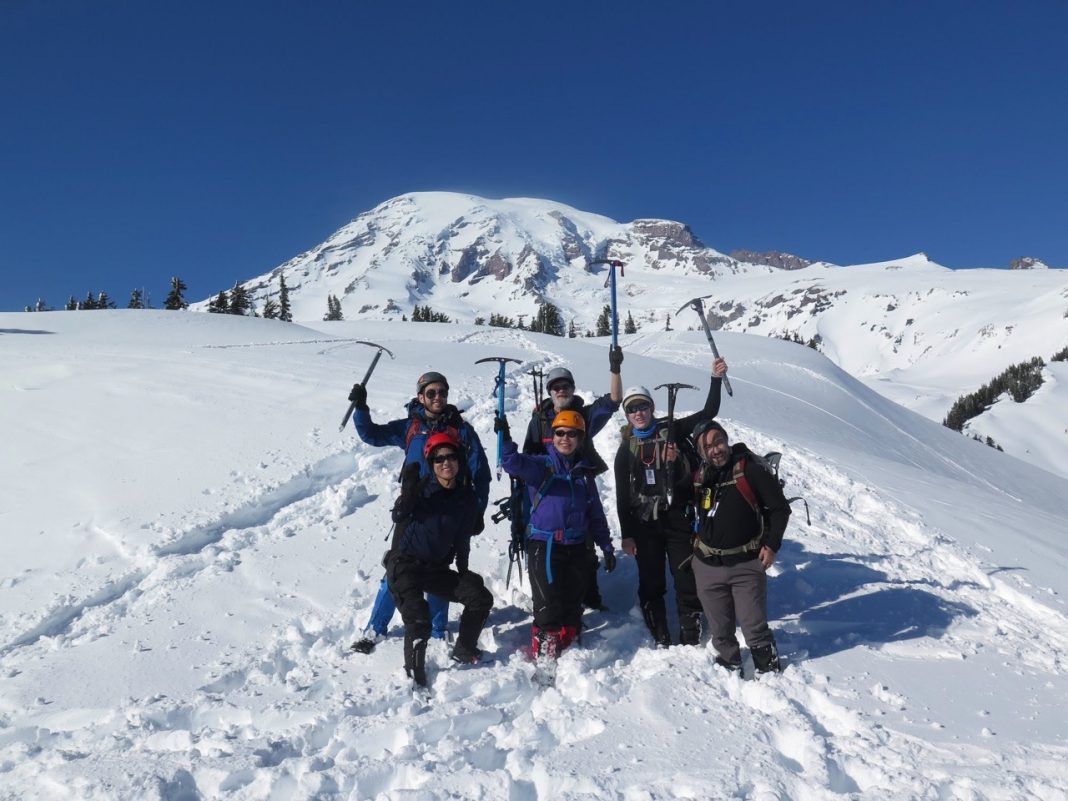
x: 742, y: 483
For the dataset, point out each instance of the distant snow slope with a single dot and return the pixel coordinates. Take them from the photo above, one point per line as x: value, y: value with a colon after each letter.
x: 918, y: 332
x: 190, y: 545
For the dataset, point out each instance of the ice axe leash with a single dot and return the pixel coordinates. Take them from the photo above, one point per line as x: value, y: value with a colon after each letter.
x: 498, y: 390
x: 611, y: 283
x: 673, y: 391
x: 367, y: 376
x: 698, y: 306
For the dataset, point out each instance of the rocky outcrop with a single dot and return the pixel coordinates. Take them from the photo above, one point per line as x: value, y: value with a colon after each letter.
x: 1028, y: 263
x: 773, y: 258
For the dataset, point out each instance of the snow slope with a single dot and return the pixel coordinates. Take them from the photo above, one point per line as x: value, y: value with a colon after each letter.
x: 190, y: 545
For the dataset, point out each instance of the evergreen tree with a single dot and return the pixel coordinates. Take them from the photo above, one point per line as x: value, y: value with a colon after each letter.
x: 40, y: 305
x: 136, y: 301
x: 220, y: 304
x: 604, y: 322
x: 480, y: 321
x: 270, y: 309
x: 571, y: 332
x: 548, y: 320
x: 667, y: 321
x: 103, y: 301
x: 1060, y: 356
x: 239, y: 300
x: 175, y: 300
x: 72, y: 304
x: 500, y: 321
x: 284, y: 313
x: 630, y: 327
x: 89, y: 302
x: 333, y: 309
x: 1020, y: 381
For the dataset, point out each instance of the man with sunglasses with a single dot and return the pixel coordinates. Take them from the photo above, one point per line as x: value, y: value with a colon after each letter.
x: 435, y: 518
x: 429, y: 412
x: 565, y: 512
x: 654, y: 497
x: 561, y: 386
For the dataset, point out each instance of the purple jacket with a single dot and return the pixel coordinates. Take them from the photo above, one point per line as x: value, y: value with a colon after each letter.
x: 570, y: 507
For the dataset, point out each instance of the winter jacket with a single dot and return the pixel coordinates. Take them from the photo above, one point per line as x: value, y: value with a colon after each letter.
x: 396, y: 432
x: 596, y: 415
x: 637, y: 500
x: 731, y: 522
x: 570, y: 506
x: 439, y: 527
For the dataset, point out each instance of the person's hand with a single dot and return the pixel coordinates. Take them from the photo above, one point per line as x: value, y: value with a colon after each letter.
x: 630, y: 547
x: 766, y: 556
x: 500, y: 426
x: 409, y: 493
x: 609, y: 561
x: 671, y: 452
x: 615, y: 358
x: 358, y: 396
x: 719, y: 367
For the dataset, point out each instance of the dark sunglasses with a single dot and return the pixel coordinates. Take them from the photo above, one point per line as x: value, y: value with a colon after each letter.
x: 570, y: 433
x: 561, y: 386
x: 444, y: 457
x: 436, y: 393
x: 634, y: 408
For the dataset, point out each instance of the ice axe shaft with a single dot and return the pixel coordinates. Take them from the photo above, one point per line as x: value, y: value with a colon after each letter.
x: 698, y: 306
x: 498, y: 390
x: 611, y: 283
x: 673, y: 391
x: 366, y: 377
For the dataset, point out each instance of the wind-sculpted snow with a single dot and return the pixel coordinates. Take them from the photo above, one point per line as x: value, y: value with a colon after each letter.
x: 177, y: 606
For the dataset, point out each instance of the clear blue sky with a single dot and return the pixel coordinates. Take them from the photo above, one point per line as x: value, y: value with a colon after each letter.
x: 215, y: 140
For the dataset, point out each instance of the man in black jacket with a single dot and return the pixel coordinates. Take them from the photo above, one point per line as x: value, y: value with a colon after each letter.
x: 742, y: 515
x: 435, y: 518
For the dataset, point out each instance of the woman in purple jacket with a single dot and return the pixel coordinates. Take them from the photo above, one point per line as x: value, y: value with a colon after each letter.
x: 565, y: 509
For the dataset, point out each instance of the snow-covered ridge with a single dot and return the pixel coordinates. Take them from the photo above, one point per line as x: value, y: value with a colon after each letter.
x: 917, y: 331
x: 192, y: 545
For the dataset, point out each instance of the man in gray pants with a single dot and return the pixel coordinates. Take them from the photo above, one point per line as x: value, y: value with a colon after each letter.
x: 741, y: 518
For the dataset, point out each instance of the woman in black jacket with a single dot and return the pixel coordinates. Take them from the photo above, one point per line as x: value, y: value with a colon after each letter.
x: 435, y: 518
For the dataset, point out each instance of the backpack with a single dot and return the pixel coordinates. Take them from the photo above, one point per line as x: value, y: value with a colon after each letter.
x: 769, y: 461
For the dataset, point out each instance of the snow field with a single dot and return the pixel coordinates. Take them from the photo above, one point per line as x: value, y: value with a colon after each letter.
x: 203, y: 653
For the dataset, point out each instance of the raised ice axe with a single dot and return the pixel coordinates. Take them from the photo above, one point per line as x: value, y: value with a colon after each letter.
x: 367, y: 376
x: 698, y: 306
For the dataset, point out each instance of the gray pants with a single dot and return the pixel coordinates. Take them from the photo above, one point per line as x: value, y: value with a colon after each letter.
x: 733, y: 596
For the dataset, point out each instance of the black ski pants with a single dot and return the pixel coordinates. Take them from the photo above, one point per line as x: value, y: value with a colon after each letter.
x: 559, y: 602
x: 658, y: 542
x: 409, y: 579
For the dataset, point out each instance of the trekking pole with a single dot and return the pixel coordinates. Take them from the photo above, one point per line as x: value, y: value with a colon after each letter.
x: 366, y: 378
x: 498, y: 390
x: 673, y: 391
x: 697, y: 305
x: 611, y: 282
x: 539, y: 385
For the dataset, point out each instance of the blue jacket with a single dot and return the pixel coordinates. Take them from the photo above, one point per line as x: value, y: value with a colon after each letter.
x: 440, y: 525
x: 395, y: 432
x: 570, y: 507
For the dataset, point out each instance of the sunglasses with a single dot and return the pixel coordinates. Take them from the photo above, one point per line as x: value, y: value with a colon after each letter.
x: 444, y: 457
x: 431, y: 394
x: 635, y: 408
x: 562, y: 386
x: 569, y: 433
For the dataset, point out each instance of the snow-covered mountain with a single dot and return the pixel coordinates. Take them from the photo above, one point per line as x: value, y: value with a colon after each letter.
x: 190, y: 546
x: 920, y: 333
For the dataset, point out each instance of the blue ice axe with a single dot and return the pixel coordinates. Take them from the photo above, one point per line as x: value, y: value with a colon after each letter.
x: 498, y: 390
x: 611, y: 282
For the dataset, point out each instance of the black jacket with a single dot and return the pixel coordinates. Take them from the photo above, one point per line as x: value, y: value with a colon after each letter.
x: 735, y: 523
x: 596, y: 415
x: 635, y: 495
x: 439, y: 527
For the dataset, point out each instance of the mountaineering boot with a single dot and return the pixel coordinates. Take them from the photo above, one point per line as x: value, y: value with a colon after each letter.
x: 732, y: 667
x: 415, y: 659
x: 367, y: 642
x: 656, y: 619
x: 548, y: 644
x: 466, y: 648
x: 766, y: 659
x: 690, y: 628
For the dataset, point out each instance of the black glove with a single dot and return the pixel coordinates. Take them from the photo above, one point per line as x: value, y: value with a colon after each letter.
x: 409, y: 493
x: 609, y: 561
x: 500, y: 425
x: 462, y: 568
x: 615, y: 358
x: 358, y: 396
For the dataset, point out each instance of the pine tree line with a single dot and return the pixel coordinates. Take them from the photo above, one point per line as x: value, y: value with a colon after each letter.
x: 1020, y: 381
